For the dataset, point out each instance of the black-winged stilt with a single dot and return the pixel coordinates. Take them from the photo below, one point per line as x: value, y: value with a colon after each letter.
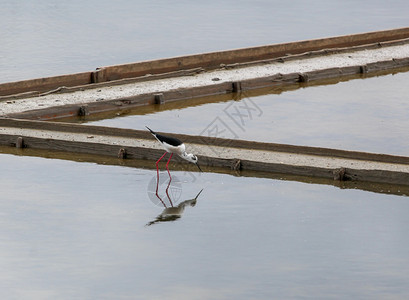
x: 173, y: 145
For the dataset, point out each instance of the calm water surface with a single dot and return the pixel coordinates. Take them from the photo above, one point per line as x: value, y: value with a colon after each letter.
x: 78, y: 230
x: 45, y: 38
x: 72, y: 230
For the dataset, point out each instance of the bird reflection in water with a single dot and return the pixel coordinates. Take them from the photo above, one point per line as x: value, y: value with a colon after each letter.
x: 173, y: 213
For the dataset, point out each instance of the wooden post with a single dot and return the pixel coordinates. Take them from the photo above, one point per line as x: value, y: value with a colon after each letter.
x: 303, y: 77
x: 236, y: 165
x: 20, y: 142
x: 83, y: 111
x: 339, y: 174
x: 122, y: 153
x: 159, y: 99
x: 236, y: 86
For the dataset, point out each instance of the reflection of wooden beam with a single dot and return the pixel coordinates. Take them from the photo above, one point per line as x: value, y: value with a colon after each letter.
x: 213, y: 152
x: 205, y: 60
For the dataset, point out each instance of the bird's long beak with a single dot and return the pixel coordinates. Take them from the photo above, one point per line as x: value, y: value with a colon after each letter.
x: 199, y: 167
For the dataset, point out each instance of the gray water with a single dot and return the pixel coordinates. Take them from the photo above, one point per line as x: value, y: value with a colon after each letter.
x: 71, y: 230
x: 46, y: 38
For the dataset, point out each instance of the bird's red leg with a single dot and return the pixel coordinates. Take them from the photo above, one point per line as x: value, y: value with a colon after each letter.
x: 170, y: 180
x: 167, y: 165
x: 157, y: 171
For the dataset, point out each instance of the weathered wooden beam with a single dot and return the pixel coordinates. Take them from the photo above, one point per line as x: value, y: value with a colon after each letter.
x: 232, y: 154
x: 211, y: 89
x: 205, y: 60
x: 214, y: 59
x: 201, y: 140
x: 40, y: 85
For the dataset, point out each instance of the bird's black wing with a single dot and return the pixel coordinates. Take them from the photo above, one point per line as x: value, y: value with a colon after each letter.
x: 166, y: 139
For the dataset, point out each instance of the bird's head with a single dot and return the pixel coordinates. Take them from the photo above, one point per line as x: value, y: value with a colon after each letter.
x: 192, y: 158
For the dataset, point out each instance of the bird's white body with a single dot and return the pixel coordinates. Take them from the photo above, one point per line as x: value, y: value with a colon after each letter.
x: 179, y: 150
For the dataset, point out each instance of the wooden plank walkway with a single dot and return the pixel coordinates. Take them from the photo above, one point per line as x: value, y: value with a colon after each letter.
x: 213, y: 152
x: 233, y: 76
x: 208, y: 61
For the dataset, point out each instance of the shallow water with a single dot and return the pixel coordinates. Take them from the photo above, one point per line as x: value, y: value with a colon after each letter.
x: 362, y: 114
x: 46, y: 38
x: 78, y: 230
